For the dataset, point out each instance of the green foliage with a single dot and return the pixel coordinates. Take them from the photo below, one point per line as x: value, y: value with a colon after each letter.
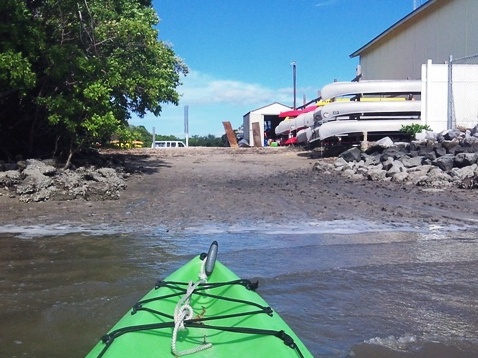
x: 75, y: 71
x: 128, y: 137
x: 414, y: 129
x: 143, y: 135
x: 206, y: 141
x: 19, y: 44
x: 100, y: 126
x: 16, y: 71
x: 168, y: 137
x: 195, y: 140
x: 125, y: 136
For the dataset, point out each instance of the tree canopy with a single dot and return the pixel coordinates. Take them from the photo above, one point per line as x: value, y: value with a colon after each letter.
x: 72, y: 72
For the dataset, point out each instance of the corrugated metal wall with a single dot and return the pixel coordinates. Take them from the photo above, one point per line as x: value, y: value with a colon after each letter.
x: 450, y: 27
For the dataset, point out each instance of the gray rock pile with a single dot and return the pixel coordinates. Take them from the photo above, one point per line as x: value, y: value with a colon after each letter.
x: 436, y: 160
x: 34, y: 180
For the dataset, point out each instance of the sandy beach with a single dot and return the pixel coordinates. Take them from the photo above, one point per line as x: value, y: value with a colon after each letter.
x: 231, y: 185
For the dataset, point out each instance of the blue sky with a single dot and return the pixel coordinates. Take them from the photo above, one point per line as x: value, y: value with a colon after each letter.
x: 239, y: 53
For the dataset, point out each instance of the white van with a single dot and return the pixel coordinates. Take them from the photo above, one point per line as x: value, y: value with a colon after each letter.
x: 167, y: 144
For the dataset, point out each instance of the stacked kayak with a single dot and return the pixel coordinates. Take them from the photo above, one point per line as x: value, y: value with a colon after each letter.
x: 201, y: 310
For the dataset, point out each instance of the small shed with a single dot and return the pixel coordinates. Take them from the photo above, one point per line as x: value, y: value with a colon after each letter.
x: 266, y: 119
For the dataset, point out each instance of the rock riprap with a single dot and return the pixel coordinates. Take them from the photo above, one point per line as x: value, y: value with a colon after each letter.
x: 34, y: 180
x: 437, y: 160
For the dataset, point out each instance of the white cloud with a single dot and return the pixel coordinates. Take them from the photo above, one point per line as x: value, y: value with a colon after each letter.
x: 199, y: 88
x: 212, y: 100
x: 326, y: 3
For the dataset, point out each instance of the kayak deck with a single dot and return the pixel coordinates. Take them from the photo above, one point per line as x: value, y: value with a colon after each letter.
x: 229, y: 319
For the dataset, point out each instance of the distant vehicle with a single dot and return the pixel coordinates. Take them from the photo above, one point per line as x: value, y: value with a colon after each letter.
x: 127, y: 145
x: 168, y: 144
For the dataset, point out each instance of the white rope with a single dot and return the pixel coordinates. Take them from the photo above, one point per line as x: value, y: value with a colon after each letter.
x: 184, y: 311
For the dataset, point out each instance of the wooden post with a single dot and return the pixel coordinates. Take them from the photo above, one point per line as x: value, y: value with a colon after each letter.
x: 364, y: 143
x: 256, y: 134
x: 231, y: 136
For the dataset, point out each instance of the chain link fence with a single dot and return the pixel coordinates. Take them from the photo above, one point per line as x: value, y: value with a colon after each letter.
x: 463, y: 92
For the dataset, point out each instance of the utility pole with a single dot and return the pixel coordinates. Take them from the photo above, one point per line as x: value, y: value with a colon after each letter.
x: 294, y: 81
x: 186, y: 124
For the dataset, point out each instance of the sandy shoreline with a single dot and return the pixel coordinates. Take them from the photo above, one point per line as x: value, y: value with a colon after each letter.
x: 226, y: 185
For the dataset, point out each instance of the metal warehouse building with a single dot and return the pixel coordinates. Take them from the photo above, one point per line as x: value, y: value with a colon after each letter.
x: 434, y: 31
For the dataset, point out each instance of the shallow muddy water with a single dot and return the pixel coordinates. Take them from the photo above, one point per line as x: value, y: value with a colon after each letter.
x: 348, y: 289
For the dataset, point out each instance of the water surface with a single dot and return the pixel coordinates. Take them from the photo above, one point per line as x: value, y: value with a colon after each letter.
x: 348, y: 289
